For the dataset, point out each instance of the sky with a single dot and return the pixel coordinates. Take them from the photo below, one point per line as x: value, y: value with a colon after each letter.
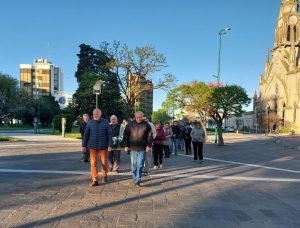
x: 186, y: 32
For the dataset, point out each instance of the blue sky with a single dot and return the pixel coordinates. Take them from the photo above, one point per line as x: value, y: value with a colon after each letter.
x: 186, y: 32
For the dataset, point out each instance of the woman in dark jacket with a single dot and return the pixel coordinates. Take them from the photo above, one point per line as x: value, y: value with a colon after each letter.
x: 158, y: 145
x: 187, y: 140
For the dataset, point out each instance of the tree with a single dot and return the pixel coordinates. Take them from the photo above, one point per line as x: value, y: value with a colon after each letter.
x: 25, y: 108
x: 92, y: 66
x: 160, y: 115
x: 194, y: 96
x: 135, y: 69
x: 49, y: 107
x: 217, y: 102
x: 225, y: 101
x: 8, y: 91
x: 170, y: 105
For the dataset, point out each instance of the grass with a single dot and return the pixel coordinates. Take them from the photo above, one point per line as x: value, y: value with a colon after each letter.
x: 71, y: 135
x: 9, y: 139
x: 16, y: 127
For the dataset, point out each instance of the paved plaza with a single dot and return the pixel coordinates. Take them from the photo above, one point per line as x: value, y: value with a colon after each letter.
x: 253, y: 181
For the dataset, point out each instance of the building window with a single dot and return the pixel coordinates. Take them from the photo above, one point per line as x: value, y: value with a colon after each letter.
x: 295, y: 34
x: 295, y: 114
x: 289, y: 34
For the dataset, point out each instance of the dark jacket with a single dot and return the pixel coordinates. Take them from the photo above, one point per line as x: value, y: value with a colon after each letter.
x: 115, y: 130
x: 187, y: 134
x: 176, y: 131
x: 137, y: 136
x: 98, y: 134
x: 160, y: 137
x: 82, y: 128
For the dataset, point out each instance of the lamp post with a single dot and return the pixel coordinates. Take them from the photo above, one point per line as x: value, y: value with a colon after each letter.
x: 97, y: 90
x: 221, y: 33
x: 38, y: 102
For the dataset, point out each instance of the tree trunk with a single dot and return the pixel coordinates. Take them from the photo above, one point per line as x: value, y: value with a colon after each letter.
x: 220, y: 135
x: 204, y: 128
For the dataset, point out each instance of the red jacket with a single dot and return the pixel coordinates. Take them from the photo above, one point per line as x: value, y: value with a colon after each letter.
x: 160, y: 137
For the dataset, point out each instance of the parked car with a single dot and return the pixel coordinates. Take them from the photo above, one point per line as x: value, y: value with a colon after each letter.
x: 229, y: 129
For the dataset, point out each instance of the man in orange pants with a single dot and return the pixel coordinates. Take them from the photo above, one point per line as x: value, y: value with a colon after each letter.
x: 99, y: 137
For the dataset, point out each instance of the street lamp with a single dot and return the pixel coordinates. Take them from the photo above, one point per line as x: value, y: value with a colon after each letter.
x: 221, y: 33
x: 38, y: 102
x: 97, y: 90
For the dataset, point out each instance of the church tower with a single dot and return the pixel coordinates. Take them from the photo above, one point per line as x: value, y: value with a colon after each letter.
x: 279, y: 89
x: 287, y: 34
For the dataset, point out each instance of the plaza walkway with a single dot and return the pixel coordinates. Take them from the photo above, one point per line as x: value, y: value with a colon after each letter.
x: 253, y: 181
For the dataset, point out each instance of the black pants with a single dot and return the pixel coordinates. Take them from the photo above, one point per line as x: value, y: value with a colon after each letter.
x: 198, y: 150
x: 167, y: 151
x: 113, y: 159
x: 188, y: 148
x: 158, y: 154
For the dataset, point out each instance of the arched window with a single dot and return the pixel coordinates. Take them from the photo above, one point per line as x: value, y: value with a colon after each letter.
x: 295, y: 33
x: 288, y: 34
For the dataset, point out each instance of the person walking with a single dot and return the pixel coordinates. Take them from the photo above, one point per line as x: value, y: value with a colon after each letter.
x: 175, y: 140
x: 198, y: 138
x: 138, y: 139
x: 167, y: 143
x: 82, y: 126
x: 122, y: 128
x: 148, y: 160
x: 115, y: 154
x: 158, y: 144
x: 187, y: 140
x: 98, y: 134
x: 181, y: 138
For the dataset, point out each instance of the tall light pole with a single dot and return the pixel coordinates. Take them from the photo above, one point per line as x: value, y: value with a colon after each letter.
x: 221, y: 33
x: 38, y: 102
x: 97, y: 90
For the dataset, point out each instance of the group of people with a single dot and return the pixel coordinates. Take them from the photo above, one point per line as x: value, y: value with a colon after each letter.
x: 140, y: 137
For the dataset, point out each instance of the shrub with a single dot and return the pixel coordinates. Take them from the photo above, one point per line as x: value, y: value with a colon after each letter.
x: 57, y: 122
x: 285, y: 130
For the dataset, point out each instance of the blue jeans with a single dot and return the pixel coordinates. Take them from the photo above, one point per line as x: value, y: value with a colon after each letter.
x: 137, y: 164
x: 175, y: 143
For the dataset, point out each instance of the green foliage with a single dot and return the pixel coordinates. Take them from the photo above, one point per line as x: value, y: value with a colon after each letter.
x: 8, y: 91
x: 217, y: 102
x: 9, y: 139
x: 228, y: 100
x: 57, y: 122
x: 48, y: 109
x: 160, y: 115
x: 25, y: 108
x: 92, y: 67
x: 286, y: 130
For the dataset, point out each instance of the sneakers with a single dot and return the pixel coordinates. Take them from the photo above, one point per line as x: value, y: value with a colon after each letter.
x: 94, y: 183
x: 155, y: 167
x: 161, y: 165
x: 145, y: 174
x: 138, y: 185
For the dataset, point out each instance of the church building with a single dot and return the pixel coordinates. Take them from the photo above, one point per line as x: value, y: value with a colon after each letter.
x: 279, y: 92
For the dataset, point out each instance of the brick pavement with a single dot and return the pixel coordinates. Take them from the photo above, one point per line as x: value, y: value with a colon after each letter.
x: 179, y: 195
